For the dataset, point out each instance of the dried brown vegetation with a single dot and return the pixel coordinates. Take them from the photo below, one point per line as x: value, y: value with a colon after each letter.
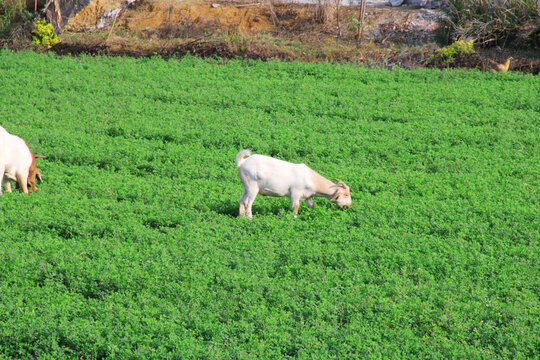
x: 513, y: 23
x: 391, y: 37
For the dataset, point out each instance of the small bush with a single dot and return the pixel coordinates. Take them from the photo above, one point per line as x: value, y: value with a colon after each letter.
x: 449, y: 54
x: 43, y: 34
x: 494, y: 22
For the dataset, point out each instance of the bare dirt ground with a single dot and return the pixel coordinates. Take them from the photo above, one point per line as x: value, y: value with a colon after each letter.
x: 391, y: 37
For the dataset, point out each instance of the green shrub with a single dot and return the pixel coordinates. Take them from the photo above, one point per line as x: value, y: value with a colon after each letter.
x: 43, y: 34
x: 493, y: 22
x: 448, y: 54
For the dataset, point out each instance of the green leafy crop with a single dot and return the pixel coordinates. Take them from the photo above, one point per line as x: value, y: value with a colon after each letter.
x: 132, y: 248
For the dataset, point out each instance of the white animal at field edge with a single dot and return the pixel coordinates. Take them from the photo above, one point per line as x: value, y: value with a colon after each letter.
x: 17, y: 162
x: 268, y: 176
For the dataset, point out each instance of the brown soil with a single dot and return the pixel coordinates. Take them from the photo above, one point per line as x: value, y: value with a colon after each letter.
x: 154, y: 14
x: 88, y: 17
x: 245, y: 17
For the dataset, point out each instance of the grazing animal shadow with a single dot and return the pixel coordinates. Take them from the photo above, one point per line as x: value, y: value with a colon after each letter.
x: 226, y: 207
x: 230, y: 208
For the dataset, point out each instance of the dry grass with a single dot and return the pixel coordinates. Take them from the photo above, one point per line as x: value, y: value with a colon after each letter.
x: 495, y: 22
x: 11, y: 11
x: 313, y: 47
x: 307, y: 47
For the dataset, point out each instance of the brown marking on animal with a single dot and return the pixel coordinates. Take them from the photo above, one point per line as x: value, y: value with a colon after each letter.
x: 331, y: 191
x: 33, y: 173
x: 322, y: 184
x: 343, y: 190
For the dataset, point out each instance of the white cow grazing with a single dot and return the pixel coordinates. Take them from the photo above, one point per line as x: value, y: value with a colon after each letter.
x: 265, y: 175
x: 17, y: 162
